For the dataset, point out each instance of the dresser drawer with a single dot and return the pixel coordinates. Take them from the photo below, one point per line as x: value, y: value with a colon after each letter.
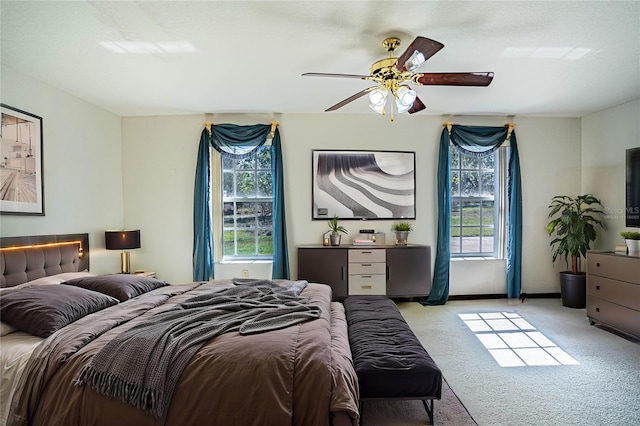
x: 367, y: 268
x: 625, y: 319
x: 366, y: 256
x: 615, y: 267
x: 618, y: 292
x: 367, y: 284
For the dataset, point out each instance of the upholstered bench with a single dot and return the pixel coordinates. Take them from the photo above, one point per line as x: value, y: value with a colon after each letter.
x: 389, y: 360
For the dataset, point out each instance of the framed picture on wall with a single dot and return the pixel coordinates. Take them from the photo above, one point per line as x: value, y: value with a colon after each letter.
x: 21, y: 181
x: 363, y: 184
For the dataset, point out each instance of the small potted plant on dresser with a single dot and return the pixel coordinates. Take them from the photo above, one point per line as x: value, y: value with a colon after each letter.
x: 574, y: 221
x: 401, y: 229
x: 336, y: 229
x: 632, y: 239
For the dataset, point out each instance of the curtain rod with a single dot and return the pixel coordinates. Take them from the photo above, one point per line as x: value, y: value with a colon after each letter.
x: 274, y: 124
x: 449, y: 124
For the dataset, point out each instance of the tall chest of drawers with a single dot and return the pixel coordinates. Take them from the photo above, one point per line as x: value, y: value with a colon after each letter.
x: 613, y: 291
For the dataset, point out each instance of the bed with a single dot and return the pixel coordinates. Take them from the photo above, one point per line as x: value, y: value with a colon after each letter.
x: 300, y: 374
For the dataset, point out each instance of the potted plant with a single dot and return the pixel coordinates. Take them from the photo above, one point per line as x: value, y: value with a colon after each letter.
x: 632, y: 239
x: 401, y: 230
x: 335, y: 231
x: 573, y: 221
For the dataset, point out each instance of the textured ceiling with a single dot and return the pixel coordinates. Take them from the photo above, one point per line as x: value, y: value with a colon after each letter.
x: 549, y: 58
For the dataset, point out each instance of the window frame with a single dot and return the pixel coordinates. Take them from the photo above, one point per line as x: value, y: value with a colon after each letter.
x: 460, y: 199
x: 222, y: 200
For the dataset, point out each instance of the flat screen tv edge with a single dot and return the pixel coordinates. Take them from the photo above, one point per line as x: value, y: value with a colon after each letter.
x: 633, y: 188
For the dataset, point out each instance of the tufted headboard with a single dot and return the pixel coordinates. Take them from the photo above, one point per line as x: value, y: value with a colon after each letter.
x: 24, y: 259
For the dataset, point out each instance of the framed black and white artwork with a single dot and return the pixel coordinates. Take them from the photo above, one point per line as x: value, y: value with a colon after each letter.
x: 21, y: 181
x: 363, y: 184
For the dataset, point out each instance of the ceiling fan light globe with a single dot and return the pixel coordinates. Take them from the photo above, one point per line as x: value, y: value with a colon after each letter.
x: 415, y: 61
x: 379, y: 108
x: 378, y: 97
x: 405, y: 97
x: 402, y: 107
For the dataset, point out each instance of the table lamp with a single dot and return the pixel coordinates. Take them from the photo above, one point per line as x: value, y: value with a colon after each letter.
x: 122, y: 240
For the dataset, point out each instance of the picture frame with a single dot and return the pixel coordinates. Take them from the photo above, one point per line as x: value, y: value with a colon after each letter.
x: 21, y: 163
x: 363, y: 185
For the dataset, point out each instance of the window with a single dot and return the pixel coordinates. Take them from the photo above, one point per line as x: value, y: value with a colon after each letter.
x: 475, y: 203
x: 247, y: 206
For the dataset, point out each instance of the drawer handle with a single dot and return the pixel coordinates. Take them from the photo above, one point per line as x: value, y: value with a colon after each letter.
x: 597, y: 287
x: 365, y: 264
x: 367, y: 287
x: 366, y: 276
x: 366, y: 252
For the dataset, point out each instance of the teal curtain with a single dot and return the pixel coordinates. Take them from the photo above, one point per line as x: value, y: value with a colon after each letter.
x: 476, y: 140
x: 236, y: 142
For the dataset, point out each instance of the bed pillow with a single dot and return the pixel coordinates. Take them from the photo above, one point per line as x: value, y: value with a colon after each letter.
x: 121, y: 286
x: 43, y: 310
x: 6, y: 329
x: 51, y: 279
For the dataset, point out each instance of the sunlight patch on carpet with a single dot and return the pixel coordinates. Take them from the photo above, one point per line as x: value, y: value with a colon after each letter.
x: 513, y: 342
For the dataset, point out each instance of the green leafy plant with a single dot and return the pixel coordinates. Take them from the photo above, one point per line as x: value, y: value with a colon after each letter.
x: 334, y: 227
x: 630, y: 235
x: 401, y: 226
x: 574, y: 223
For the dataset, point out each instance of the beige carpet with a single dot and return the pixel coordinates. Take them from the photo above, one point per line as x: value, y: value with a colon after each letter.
x: 448, y: 411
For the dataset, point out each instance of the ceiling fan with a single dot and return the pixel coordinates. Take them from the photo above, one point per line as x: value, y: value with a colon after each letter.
x: 392, y: 76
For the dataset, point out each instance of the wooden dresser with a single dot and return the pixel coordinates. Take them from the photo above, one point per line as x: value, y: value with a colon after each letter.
x: 613, y: 291
x: 394, y: 271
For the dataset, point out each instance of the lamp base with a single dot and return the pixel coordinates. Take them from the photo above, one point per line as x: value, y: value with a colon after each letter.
x: 125, y: 265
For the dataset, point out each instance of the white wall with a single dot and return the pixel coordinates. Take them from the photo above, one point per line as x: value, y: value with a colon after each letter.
x: 605, y: 137
x: 159, y: 166
x: 82, y: 167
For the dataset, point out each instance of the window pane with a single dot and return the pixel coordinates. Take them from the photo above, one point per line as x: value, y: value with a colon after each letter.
x: 487, y: 184
x: 246, y: 215
x: 227, y: 163
x: 246, y: 163
x: 264, y: 157
x: 455, y: 244
x: 469, y: 186
x: 470, y: 161
x: 227, y: 184
x: 265, y: 242
x: 455, y: 183
x: 228, y: 215
x: 264, y: 184
x: 487, y: 161
x: 487, y: 241
x: 455, y: 157
x: 455, y: 213
x: 471, y: 244
x: 265, y: 215
x: 229, y: 243
x: 471, y: 213
x: 246, y: 242
x: 487, y: 213
x: 245, y: 184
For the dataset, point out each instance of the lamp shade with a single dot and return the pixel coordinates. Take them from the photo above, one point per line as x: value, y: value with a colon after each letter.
x: 122, y: 240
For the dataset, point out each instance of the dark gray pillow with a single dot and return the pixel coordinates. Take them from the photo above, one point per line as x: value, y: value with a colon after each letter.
x: 121, y: 286
x: 43, y: 310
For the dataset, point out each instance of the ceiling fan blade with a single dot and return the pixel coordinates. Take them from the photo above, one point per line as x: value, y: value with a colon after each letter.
x: 417, y: 106
x: 454, y: 78
x: 350, y: 99
x: 321, y: 74
x: 417, y: 53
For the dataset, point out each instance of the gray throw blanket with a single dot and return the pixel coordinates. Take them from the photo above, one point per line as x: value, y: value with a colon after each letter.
x: 142, y: 365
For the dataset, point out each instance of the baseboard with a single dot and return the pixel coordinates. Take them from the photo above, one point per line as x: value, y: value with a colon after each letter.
x: 504, y: 296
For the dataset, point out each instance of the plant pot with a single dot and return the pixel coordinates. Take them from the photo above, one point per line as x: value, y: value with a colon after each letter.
x: 573, y: 289
x: 401, y: 237
x: 335, y: 239
x: 633, y: 247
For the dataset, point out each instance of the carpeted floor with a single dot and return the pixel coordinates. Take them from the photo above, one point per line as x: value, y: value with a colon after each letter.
x: 602, y: 388
x: 448, y: 411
